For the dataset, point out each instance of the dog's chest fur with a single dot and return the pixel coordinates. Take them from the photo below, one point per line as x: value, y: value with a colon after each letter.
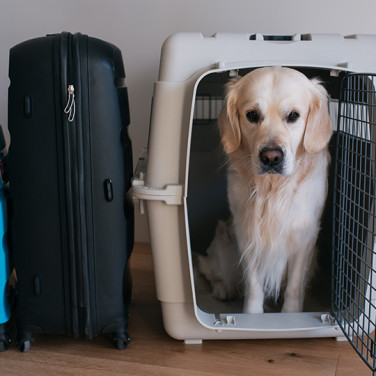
x: 273, y: 214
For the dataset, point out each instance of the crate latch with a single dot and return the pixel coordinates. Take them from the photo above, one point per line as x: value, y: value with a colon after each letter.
x: 171, y: 194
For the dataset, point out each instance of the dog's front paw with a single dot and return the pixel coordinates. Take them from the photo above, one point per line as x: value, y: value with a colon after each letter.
x: 254, y: 306
x: 295, y: 305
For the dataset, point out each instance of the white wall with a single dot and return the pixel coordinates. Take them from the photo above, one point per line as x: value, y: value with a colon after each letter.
x: 139, y: 28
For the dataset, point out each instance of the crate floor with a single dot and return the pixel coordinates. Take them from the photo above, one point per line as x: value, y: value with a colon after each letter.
x: 317, y: 297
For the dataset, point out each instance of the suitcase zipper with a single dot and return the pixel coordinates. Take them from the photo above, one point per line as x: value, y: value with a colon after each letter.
x: 78, y: 204
x: 72, y: 188
x: 70, y: 108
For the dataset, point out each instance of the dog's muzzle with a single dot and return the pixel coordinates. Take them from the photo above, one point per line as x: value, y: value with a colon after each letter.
x: 271, y: 159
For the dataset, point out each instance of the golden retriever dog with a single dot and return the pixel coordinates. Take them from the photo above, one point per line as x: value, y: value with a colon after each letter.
x: 275, y: 128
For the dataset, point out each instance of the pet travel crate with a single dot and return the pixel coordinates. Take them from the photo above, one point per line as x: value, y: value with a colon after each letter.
x: 181, y: 182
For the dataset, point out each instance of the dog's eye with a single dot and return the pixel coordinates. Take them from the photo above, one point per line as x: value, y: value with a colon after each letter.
x: 253, y: 116
x: 292, y: 117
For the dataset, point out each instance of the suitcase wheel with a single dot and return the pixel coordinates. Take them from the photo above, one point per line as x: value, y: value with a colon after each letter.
x: 121, y: 344
x: 4, y: 345
x: 4, y: 337
x: 121, y: 340
x: 24, y: 346
x: 24, y: 341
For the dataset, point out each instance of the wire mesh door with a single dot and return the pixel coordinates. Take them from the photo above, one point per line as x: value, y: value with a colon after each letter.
x: 354, y: 255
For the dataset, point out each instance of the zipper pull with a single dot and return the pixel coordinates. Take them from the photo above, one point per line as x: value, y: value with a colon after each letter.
x: 70, y: 108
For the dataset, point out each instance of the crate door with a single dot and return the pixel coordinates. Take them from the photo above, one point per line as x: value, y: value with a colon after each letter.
x: 354, y: 255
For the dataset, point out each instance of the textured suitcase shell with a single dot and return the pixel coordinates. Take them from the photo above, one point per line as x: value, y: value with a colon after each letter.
x: 72, y: 225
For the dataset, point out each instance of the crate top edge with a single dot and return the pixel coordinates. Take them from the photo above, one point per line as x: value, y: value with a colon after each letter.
x: 185, y: 53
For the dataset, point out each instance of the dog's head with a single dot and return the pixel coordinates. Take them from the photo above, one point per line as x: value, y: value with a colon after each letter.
x: 272, y: 116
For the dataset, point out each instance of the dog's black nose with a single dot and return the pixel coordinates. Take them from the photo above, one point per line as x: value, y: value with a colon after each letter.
x: 271, y: 156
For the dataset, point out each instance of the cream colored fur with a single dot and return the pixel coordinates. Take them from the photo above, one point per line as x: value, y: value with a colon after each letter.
x: 276, y: 213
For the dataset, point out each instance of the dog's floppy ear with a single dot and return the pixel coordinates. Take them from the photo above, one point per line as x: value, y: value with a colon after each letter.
x: 319, y: 127
x: 228, y: 120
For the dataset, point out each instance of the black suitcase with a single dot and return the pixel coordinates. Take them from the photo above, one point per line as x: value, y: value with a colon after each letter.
x: 70, y: 166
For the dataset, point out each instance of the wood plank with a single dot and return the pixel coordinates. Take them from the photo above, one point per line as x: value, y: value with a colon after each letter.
x: 153, y: 352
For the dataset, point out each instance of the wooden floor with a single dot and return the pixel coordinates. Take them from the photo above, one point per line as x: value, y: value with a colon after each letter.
x: 152, y: 352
